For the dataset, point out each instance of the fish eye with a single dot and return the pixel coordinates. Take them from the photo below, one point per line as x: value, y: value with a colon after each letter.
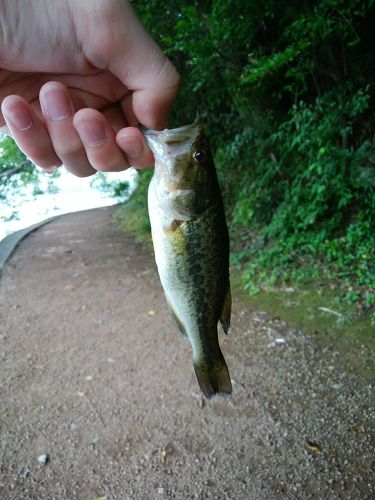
x: 200, y: 156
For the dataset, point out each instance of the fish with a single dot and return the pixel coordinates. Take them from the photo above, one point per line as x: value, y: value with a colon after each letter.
x: 191, y: 246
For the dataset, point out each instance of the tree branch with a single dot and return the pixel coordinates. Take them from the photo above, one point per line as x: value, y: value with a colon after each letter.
x: 14, y: 170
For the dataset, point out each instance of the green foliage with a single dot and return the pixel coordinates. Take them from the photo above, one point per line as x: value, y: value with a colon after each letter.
x: 121, y: 189
x: 15, y: 169
x: 132, y: 217
x: 11, y: 155
x: 118, y: 189
x: 16, y: 173
x: 305, y: 195
x: 286, y: 90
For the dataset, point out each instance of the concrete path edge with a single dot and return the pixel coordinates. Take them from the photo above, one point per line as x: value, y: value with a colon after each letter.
x: 10, y: 242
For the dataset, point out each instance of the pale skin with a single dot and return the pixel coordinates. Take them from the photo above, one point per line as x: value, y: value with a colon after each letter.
x: 77, y: 77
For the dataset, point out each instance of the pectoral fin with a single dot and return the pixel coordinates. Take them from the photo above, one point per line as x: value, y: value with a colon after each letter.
x: 226, y: 312
x: 176, y: 320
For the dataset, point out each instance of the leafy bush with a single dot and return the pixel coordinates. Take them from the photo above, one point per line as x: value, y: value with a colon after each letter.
x: 133, y: 215
x: 286, y: 91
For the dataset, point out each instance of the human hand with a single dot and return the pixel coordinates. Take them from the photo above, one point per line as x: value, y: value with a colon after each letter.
x: 76, y: 79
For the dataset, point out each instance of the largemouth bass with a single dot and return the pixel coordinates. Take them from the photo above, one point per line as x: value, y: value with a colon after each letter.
x: 191, y: 245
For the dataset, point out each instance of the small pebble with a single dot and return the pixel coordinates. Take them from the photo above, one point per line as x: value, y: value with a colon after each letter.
x: 280, y: 341
x: 200, y: 402
x: 163, y: 457
x: 73, y: 426
x: 161, y: 491
x: 43, y: 459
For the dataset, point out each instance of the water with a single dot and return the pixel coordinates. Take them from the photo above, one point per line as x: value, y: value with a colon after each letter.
x: 67, y: 193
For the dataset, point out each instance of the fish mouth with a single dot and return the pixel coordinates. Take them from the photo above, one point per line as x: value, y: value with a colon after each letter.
x: 184, y: 134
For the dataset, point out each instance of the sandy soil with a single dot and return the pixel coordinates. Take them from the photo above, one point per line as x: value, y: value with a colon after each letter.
x: 94, y: 376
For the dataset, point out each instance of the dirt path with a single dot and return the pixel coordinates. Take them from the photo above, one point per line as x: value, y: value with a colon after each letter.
x: 93, y: 374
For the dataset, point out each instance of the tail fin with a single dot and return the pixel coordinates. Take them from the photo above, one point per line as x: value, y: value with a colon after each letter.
x: 213, y: 379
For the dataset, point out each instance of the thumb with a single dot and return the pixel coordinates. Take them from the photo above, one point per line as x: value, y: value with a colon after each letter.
x: 152, y: 104
x: 122, y: 45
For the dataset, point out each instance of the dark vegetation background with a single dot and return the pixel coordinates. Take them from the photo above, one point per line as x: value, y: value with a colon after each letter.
x: 286, y: 92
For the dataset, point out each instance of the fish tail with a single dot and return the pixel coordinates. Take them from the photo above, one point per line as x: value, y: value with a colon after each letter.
x: 213, y: 378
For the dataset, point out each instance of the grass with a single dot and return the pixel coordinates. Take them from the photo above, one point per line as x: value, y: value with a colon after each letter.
x: 314, y: 306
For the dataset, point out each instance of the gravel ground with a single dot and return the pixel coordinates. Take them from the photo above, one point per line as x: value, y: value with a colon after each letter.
x: 99, y: 399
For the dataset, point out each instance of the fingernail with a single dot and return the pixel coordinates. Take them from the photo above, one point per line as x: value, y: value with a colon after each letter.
x: 92, y: 133
x: 57, y: 104
x: 131, y: 147
x: 19, y: 115
x: 51, y: 170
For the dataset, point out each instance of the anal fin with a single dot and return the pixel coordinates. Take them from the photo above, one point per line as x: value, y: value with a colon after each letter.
x: 226, y: 312
x: 177, y: 322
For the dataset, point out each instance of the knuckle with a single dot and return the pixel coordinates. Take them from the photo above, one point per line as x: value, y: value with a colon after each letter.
x: 69, y: 150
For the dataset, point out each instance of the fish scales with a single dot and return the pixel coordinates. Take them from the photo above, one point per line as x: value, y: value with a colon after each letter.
x: 191, y: 246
